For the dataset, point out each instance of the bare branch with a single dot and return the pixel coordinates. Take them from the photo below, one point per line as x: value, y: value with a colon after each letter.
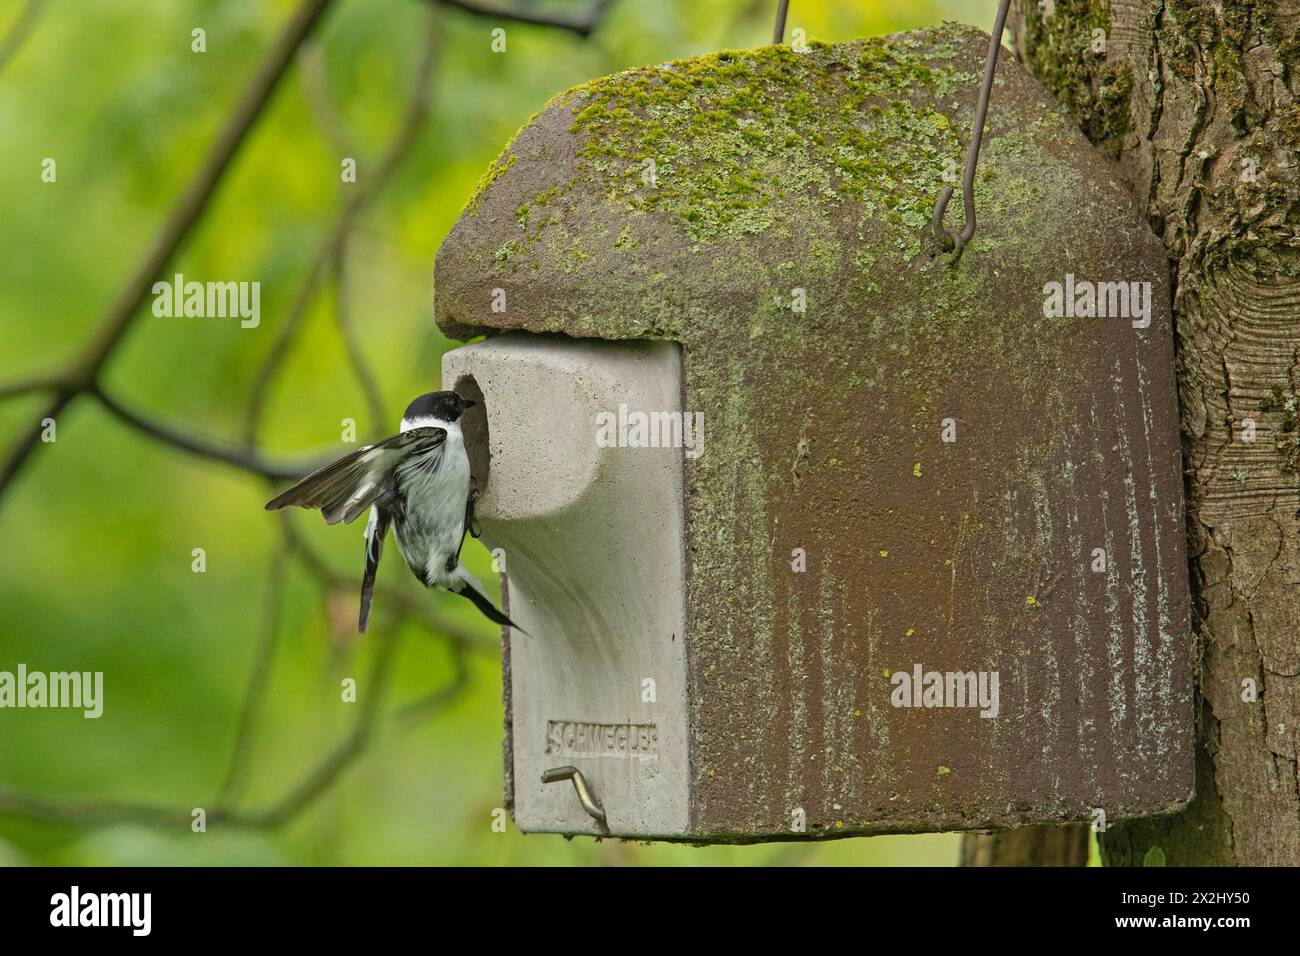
x: 259, y: 679
x: 245, y: 457
x: 424, y: 707
x: 20, y: 31
x: 315, y: 84
x: 581, y: 25
x: 32, y: 436
x: 352, y: 342
x: 33, y: 806
x: 37, y: 383
x: 85, y: 369
x: 329, y: 769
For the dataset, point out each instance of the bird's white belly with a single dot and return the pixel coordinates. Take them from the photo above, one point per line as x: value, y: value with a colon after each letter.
x: 435, y: 515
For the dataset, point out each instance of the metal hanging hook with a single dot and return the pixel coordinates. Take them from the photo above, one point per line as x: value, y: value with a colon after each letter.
x: 778, y: 35
x: 585, y: 796
x: 946, y: 239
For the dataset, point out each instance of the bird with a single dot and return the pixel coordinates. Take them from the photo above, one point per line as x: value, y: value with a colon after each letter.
x: 417, y: 481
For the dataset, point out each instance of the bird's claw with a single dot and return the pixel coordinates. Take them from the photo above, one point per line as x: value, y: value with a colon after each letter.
x: 471, y: 523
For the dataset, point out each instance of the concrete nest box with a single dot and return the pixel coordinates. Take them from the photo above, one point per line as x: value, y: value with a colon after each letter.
x: 812, y: 531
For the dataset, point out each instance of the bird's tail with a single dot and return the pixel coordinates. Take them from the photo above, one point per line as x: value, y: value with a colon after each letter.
x: 467, y: 586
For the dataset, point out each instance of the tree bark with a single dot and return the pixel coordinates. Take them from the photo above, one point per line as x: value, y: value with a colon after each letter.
x: 1198, y: 102
x: 1027, y: 846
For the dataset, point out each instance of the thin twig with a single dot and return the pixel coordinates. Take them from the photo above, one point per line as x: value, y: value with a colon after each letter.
x: 259, y: 679
x: 352, y: 342
x: 329, y: 769
x: 284, y: 338
x: 34, y: 806
x: 20, y: 31
x: 25, y: 386
x: 581, y: 25
x: 246, y: 457
x: 315, y: 83
x: 424, y: 707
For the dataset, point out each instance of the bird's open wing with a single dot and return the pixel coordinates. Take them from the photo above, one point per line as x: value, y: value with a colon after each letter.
x: 375, y: 532
x: 349, y: 486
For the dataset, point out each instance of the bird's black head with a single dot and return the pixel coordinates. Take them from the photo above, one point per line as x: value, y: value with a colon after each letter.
x: 444, y: 406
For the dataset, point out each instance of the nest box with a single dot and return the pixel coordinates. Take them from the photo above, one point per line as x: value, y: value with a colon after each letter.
x: 813, y: 531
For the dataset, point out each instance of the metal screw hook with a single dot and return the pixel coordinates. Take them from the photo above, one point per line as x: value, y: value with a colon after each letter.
x: 585, y: 796
x: 946, y: 239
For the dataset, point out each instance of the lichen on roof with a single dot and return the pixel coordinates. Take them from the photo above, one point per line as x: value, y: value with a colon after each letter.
x: 649, y: 203
x: 731, y: 133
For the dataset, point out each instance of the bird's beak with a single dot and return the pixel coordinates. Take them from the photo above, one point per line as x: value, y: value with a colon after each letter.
x: 467, y: 403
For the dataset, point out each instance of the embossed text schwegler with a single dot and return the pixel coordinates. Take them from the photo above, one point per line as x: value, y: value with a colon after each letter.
x: 576, y: 738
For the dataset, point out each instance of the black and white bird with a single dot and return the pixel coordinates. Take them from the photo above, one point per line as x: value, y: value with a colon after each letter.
x: 417, y: 481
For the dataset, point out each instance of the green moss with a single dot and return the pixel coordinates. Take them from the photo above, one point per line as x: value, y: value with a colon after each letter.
x: 508, y: 251
x: 495, y: 169
x: 1060, y: 51
x: 719, y: 141
x: 526, y: 214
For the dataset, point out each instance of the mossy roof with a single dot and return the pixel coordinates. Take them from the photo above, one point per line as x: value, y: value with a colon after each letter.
x: 662, y: 199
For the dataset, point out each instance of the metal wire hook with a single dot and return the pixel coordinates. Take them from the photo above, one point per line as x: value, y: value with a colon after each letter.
x: 585, y: 796
x: 778, y: 33
x: 946, y: 239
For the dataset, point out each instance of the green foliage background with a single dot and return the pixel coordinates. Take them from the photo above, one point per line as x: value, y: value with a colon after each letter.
x: 98, y: 530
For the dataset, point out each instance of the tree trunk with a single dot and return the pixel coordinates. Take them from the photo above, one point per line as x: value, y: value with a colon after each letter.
x: 1197, y: 101
x: 1027, y: 846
